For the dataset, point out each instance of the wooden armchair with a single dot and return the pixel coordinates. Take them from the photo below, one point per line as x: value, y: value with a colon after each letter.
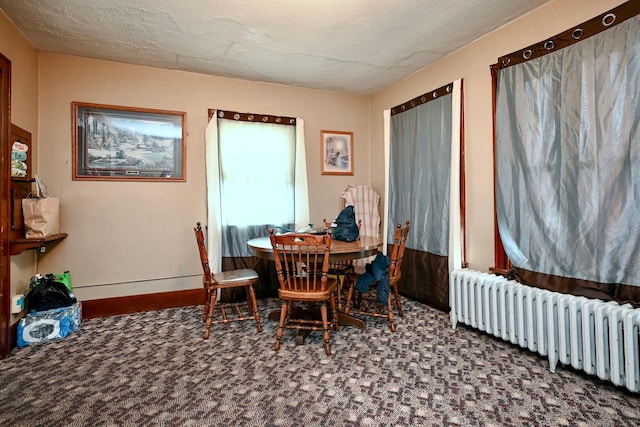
x: 213, y: 283
x: 302, y: 262
x: 367, y: 304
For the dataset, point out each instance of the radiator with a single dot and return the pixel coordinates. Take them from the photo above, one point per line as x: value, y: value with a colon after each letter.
x: 600, y: 338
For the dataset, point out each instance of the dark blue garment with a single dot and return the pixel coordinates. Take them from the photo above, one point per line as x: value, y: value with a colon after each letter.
x: 346, y: 228
x: 377, y: 271
x: 382, y: 289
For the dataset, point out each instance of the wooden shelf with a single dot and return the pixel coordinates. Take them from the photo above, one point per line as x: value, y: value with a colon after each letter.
x: 20, y: 189
x: 19, y: 245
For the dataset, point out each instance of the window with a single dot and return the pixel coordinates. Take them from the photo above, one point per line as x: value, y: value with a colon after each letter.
x: 256, y: 179
x: 257, y: 173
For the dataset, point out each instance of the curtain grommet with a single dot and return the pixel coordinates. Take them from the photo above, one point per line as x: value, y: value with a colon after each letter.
x: 608, y: 19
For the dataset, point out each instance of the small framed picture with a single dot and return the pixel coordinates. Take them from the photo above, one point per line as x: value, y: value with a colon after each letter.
x: 337, y: 152
x: 128, y: 144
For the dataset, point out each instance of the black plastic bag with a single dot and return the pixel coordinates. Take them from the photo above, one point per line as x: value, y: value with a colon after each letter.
x: 46, y: 294
x: 346, y: 228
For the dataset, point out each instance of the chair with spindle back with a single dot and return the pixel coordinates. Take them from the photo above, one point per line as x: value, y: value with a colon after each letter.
x: 368, y: 304
x: 302, y: 262
x: 214, y: 283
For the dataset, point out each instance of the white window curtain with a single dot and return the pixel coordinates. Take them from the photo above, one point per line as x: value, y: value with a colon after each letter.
x: 256, y: 180
x: 568, y: 159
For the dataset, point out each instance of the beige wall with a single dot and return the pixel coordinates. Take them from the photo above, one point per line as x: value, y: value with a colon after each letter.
x: 132, y: 237
x: 24, y: 113
x: 471, y: 64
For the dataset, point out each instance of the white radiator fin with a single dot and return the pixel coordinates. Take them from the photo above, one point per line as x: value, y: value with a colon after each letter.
x: 600, y: 338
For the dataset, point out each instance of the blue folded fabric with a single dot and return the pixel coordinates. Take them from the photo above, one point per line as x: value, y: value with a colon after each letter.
x: 18, y: 155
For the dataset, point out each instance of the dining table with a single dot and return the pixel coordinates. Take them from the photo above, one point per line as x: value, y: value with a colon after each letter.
x: 364, y: 247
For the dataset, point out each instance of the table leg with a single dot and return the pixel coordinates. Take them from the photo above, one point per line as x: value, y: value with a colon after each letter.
x: 348, y: 320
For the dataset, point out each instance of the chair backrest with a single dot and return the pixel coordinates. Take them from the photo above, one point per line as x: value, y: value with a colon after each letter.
x: 202, y: 248
x: 397, y: 253
x: 302, y: 260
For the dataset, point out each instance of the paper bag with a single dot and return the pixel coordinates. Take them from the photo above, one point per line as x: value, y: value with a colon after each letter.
x: 41, y: 216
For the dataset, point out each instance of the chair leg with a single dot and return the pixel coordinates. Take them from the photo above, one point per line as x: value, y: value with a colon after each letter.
x: 326, y: 335
x: 349, y: 297
x: 398, y: 301
x: 336, y: 324
x: 206, y: 305
x: 212, y: 307
x: 253, y: 306
x: 392, y: 323
x: 340, y: 284
x: 284, y: 313
x: 289, y: 309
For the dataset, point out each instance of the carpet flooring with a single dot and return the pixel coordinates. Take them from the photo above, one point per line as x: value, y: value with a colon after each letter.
x: 154, y: 368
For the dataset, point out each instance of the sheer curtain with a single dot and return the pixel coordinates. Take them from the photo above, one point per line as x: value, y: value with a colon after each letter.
x: 422, y: 148
x: 568, y: 159
x: 256, y: 180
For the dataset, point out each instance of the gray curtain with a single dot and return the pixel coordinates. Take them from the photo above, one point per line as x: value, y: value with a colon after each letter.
x: 568, y: 159
x: 418, y: 190
x: 419, y: 168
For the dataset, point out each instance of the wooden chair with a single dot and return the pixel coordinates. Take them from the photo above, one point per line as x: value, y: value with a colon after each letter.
x: 339, y: 270
x: 367, y: 304
x: 214, y: 283
x: 302, y: 262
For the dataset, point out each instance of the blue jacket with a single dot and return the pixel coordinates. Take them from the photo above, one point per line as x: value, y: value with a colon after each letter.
x: 377, y: 271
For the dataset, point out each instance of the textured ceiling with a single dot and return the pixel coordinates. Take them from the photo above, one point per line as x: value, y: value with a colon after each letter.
x: 354, y: 46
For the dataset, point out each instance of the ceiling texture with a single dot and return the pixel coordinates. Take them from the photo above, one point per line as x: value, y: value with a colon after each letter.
x: 351, y: 46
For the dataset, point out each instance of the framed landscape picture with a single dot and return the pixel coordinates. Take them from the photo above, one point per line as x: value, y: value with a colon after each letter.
x: 127, y: 143
x: 337, y: 152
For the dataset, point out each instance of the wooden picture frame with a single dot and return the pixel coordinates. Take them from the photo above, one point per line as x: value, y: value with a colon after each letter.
x: 128, y: 144
x: 336, y: 152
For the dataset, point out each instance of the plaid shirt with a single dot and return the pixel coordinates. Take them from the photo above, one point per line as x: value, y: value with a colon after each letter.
x: 365, y: 201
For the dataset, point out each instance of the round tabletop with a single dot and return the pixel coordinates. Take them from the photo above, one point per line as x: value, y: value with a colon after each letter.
x: 340, y: 251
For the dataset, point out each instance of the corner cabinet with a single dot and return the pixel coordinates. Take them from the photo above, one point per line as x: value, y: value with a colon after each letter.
x: 20, y: 188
